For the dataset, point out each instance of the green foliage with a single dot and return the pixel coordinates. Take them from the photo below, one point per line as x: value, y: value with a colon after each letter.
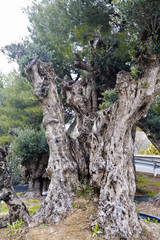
x: 150, y: 220
x: 12, y: 228
x: 25, y: 51
x: 18, y: 106
x: 44, y: 225
x: 137, y: 21
x: 28, y: 143
x: 139, y: 17
x: 32, y: 201
x: 109, y: 97
x: 140, y: 178
x: 32, y: 209
x: 82, y: 206
x: 95, y: 231
x: 146, y: 192
x: 85, y: 191
x: 152, y: 120
x: 150, y: 193
x: 58, y: 29
x: 3, y: 207
x: 109, y: 60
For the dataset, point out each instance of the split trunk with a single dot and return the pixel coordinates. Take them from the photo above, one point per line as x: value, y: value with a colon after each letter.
x: 102, y: 153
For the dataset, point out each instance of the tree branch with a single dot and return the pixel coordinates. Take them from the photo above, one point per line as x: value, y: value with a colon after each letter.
x: 143, y: 125
x: 79, y: 63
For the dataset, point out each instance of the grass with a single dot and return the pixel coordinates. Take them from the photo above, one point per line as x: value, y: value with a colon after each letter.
x: 82, y: 206
x: 147, y: 185
x: 32, y: 209
x: 12, y: 228
x: 140, y: 178
x: 44, y: 225
x: 3, y: 208
x: 32, y: 201
x: 146, y: 192
x: 150, y: 193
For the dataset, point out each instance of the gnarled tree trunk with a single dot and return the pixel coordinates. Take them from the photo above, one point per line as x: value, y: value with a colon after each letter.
x: 62, y: 167
x: 16, y: 207
x: 103, y: 151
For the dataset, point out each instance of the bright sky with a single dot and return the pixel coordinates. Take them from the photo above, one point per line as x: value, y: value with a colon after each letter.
x: 13, y: 27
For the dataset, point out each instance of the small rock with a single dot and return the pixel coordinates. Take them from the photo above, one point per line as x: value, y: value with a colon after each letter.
x: 95, y: 200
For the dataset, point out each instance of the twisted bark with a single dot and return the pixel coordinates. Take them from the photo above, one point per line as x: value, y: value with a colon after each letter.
x: 103, y: 151
x: 116, y: 209
x: 62, y: 167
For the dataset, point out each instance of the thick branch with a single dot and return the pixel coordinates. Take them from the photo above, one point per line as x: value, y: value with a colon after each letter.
x: 87, y: 66
x: 62, y: 167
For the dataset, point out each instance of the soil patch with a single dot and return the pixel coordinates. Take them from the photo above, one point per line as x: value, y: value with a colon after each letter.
x: 77, y: 226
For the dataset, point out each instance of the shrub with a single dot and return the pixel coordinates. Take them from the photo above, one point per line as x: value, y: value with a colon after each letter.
x: 28, y: 143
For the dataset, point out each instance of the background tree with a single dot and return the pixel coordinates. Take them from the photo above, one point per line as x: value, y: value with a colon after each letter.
x: 31, y: 149
x: 18, y: 107
x: 19, y: 113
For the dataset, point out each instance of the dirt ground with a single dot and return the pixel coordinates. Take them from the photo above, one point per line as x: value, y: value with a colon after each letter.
x: 77, y: 226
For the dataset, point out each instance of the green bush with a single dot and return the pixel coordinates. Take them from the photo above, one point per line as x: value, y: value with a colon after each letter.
x: 28, y: 143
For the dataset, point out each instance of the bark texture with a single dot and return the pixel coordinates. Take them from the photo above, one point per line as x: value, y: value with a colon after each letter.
x: 16, y: 207
x: 102, y: 154
x: 62, y: 167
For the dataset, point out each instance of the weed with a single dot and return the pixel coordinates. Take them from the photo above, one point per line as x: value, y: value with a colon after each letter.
x: 18, y: 193
x: 140, y: 178
x: 95, y: 231
x: 85, y: 191
x: 156, y: 184
x: 150, y: 193
x: 32, y: 209
x: 14, y: 226
x: 3, y: 208
x: 33, y: 201
x: 44, y: 225
x: 150, y: 220
x: 146, y: 192
x: 82, y: 206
